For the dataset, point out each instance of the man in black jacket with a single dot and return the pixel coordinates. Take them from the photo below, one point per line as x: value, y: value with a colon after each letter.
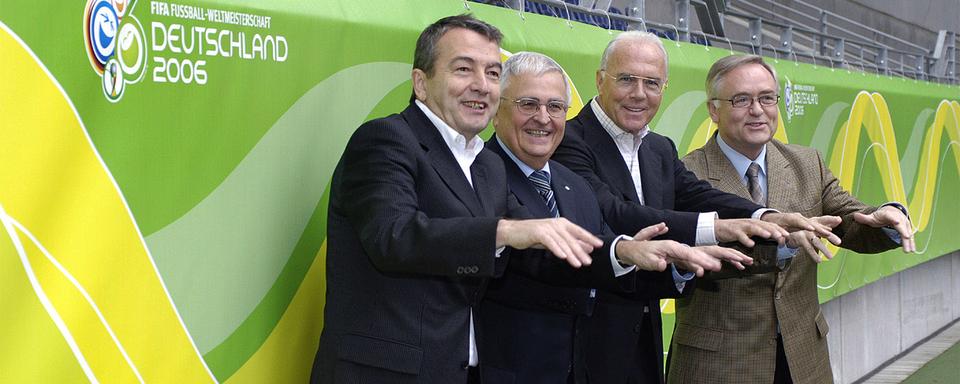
x: 639, y: 180
x: 415, y: 224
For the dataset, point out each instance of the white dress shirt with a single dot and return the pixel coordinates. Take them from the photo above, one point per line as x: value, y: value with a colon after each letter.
x: 465, y: 152
x: 629, y: 146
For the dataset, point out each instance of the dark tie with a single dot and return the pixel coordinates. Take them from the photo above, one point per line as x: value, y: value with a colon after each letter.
x: 541, y: 180
x: 753, y: 184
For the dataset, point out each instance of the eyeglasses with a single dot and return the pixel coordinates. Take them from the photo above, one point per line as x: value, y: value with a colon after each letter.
x: 531, y: 106
x: 744, y: 101
x: 627, y: 81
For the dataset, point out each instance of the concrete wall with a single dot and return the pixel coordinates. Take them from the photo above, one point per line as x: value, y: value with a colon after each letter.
x: 879, y: 321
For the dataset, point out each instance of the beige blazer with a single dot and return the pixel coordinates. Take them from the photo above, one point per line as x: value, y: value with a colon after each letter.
x: 726, y: 332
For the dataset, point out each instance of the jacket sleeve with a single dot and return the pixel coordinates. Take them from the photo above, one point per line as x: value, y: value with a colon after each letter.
x: 623, y: 215
x: 378, y: 181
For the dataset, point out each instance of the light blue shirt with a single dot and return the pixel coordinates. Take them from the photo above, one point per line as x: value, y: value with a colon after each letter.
x: 741, y: 163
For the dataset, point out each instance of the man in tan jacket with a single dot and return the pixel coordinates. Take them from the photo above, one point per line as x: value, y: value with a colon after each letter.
x: 767, y: 328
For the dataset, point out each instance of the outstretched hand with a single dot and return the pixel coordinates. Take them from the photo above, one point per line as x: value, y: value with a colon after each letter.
x: 889, y: 216
x: 821, y: 225
x: 809, y: 242
x: 730, y: 230
x: 564, y: 239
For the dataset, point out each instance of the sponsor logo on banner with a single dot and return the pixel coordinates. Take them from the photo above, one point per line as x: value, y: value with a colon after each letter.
x: 797, y: 96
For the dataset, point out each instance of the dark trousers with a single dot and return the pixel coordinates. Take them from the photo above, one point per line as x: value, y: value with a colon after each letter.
x: 782, y: 373
x: 473, y: 375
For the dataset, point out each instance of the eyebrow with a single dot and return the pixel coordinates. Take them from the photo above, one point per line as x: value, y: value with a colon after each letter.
x: 762, y: 93
x: 471, y: 61
x: 538, y: 99
x: 635, y: 75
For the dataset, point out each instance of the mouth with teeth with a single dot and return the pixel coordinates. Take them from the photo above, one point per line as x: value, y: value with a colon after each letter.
x: 537, y: 132
x: 757, y: 125
x: 475, y: 105
x: 634, y: 109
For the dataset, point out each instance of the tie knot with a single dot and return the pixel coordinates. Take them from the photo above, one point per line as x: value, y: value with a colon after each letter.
x: 540, y: 179
x: 753, y: 170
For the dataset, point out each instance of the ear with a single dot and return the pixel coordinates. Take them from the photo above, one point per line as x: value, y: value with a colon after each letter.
x: 599, y: 79
x: 712, y: 109
x: 419, y: 83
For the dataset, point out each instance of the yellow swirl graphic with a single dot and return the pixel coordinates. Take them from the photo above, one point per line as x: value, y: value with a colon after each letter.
x: 66, y: 224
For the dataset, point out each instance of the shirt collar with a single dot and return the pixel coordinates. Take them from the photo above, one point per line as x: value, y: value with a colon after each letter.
x: 526, y: 169
x: 608, y: 125
x: 741, y: 162
x: 456, y: 141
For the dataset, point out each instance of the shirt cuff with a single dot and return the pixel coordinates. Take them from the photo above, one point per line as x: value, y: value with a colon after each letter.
x: 619, y: 269
x: 892, y: 233
x: 705, y: 229
x: 756, y: 214
x: 680, y: 280
x: 784, y: 255
x: 497, y: 253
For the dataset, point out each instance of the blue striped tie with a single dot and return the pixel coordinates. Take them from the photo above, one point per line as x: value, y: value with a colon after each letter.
x: 541, y: 180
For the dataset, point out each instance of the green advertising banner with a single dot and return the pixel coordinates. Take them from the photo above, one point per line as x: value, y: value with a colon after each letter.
x: 164, y: 169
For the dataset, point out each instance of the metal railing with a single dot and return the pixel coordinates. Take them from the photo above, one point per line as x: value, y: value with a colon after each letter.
x: 809, y: 35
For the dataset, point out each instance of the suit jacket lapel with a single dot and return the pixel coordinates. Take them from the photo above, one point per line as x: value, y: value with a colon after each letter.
x: 441, y: 158
x: 721, y: 173
x: 482, y: 185
x: 780, y: 190
x: 649, y: 165
x: 565, y: 196
x: 608, y: 155
x: 522, y: 188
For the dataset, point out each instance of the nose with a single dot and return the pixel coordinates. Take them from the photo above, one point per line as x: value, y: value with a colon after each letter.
x: 542, y: 116
x: 638, y: 92
x: 755, y: 108
x: 480, y: 83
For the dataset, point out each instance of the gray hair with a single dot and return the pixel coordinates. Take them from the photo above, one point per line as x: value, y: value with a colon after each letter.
x: 642, y: 37
x: 723, y: 66
x: 531, y: 63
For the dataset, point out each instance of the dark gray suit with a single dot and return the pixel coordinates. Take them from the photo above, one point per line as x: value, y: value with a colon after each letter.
x: 627, y: 327
x: 410, y: 246
x: 532, y: 317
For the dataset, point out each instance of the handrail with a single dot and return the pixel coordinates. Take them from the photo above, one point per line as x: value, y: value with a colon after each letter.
x: 856, y: 51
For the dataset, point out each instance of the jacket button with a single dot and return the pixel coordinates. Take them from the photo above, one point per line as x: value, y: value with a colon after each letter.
x: 636, y: 328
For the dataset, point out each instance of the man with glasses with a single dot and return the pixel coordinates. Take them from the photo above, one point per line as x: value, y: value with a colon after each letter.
x: 639, y: 180
x: 531, y: 318
x: 767, y: 328
x: 416, y: 225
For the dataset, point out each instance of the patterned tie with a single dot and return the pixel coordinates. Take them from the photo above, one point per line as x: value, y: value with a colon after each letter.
x: 541, y: 180
x: 753, y: 184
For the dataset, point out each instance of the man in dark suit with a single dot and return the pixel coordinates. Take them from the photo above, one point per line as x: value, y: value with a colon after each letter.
x: 639, y: 180
x: 784, y: 339
x: 531, y: 317
x: 415, y: 223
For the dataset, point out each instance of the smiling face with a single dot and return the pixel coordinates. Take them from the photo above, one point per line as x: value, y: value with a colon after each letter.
x: 532, y: 138
x: 631, y: 108
x: 748, y: 129
x: 464, y: 88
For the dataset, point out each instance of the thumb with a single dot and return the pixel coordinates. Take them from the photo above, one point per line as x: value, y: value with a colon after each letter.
x: 865, y: 219
x: 830, y: 221
x: 651, y: 232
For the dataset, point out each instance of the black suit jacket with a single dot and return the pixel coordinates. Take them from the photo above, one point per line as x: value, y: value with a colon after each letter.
x: 530, y: 317
x: 627, y: 331
x: 410, y: 245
